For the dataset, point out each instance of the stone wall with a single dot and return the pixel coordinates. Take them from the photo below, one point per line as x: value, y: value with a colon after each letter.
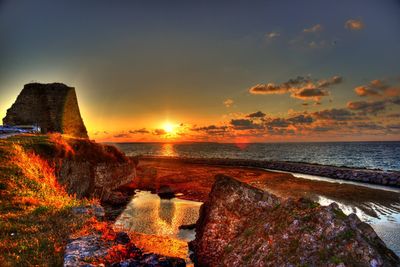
x: 54, y: 107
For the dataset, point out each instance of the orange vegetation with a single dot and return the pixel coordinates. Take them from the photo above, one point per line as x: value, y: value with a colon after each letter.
x: 61, y: 143
x: 93, y: 225
x: 35, y: 211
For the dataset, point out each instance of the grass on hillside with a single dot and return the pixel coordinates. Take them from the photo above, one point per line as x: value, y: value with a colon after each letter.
x: 36, y: 216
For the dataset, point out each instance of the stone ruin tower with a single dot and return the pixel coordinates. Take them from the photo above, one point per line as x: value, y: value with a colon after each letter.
x: 53, y: 107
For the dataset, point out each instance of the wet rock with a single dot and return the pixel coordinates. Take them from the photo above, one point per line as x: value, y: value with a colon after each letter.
x: 151, y: 260
x: 96, y: 210
x: 187, y: 226
x: 80, y: 249
x: 117, y: 198
x: 165, y: 192
x: 122, y: 238
x: 240, y: 225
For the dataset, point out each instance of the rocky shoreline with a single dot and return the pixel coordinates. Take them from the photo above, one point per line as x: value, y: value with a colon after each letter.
x: 378, y: 177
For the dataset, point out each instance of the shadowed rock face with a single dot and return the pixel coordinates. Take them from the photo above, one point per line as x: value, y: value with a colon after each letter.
x: 54, y: 107
x: 87, y: 168
x: 240, y: 225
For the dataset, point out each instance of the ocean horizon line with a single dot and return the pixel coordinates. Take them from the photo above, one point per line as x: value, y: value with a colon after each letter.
x: 234, y: 143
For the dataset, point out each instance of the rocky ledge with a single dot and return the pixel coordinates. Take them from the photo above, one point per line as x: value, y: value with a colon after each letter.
x: 240, y: 225
x: 380, y: 177
x: 84, y: 167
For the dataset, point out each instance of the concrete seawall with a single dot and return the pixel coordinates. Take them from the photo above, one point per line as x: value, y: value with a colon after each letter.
x: 379, y: 177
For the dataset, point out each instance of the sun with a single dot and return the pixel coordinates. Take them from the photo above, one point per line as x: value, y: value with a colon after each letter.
x: 168, y: 127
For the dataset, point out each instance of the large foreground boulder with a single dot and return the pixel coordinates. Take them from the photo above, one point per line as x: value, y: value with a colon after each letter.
x: 53, y: 107
x: 240, y: 225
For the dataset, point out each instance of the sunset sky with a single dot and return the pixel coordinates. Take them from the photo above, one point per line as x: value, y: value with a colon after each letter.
x: 227, y: 71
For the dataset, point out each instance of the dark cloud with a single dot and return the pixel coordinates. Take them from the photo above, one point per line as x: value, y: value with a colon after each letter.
x: 122, y: 135
x: 392, y: 91
x: 244, y: 124
x: 307, y: 93
x: 378, y: 84
x: 372, y: 89
x: 283, y: 88
x: 280, y: 131
x: 366, y: 91
x: 301, y: 119
x: 394, y: 126
x: 324, y: 128
x: 159, y: 132
x: 300, y: 87
x: 205, y: 128
x: 395, y: 100
x: 367, y: 126
x: 139, y: 131
x: 332, y: 81
x: 211, y: 128
x: 266, y: 89
x: 334, y: 114
x: 393, y: 115
x: 370, y: 107
x: 278, y: 122
x: 257, y: 114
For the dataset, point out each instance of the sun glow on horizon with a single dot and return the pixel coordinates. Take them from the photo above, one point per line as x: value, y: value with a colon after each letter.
x: 168, y: 127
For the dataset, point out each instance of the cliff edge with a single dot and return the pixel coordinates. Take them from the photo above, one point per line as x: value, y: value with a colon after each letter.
x: 85, y: 168
x: 53, y: 107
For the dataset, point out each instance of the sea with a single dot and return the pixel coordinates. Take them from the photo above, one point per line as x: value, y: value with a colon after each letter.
x: 370, y: 155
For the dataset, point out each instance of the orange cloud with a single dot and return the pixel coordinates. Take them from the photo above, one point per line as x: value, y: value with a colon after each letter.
x: 315, y: 28
x: 377, y: 88
x: 354, y: 24
x: 228, y: 102
x: 310, y: 93
x: 301, y: 87
x: 366, y: 91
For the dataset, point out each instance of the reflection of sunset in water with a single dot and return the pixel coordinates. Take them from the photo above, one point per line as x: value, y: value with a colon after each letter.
x: 168, y: 150
x: 148, y: 214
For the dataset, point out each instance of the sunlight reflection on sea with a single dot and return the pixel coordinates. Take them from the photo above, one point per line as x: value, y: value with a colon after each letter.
x: 149, y: 214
